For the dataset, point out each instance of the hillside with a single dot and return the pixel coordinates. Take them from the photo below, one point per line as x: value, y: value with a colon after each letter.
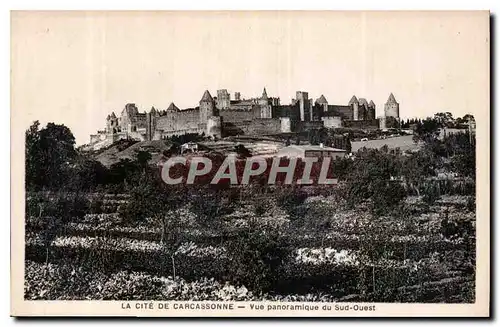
x: 402, y: 142
x: 116, y: 152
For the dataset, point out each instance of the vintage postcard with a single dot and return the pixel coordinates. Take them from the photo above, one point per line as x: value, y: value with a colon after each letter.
x: 258, y: 163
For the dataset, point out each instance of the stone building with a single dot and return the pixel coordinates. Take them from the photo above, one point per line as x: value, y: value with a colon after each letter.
x: 222, y: 116
x: 390, y: 119
x: 391, y: 107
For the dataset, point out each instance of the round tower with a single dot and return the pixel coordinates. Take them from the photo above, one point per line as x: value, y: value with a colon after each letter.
x: 371, y: 110
x: 391, y: 107
x: 223, y: 99
x: 206, y: 107
x: 265, y: 108
x: 355, y: 107
x: 321, y: 101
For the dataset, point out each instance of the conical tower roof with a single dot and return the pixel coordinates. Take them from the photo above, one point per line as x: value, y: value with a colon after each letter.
x: 153, y: 110
x: 391, y: 99
x: 371, y: 104
x: 173, y: 107
x: 321, y: 100
x: 207, y: 96
x: 353, y: 100
x: 264, y: 94
x: 362, y: 101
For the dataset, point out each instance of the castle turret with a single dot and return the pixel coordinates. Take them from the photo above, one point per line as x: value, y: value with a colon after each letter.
x: 264, y: 94
x: 207, y: 107
x: 108, y: 124
x: 354, y: 103
x: 172, y: 107
x: 265, y: 107
x: 391, y: 107
x: 363, y: 109
x: 305, y: 108
x: 371, y: 110
x: 151, y: 119
x: 223, y: 99
x: 111, y: 123
x: 321, y: 101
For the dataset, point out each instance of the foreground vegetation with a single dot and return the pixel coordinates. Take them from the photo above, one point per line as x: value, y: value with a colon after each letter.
x: 393, y: 229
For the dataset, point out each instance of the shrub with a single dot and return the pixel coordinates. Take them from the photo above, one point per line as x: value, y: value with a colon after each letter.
x: 260, y: 209
x: 290, y: 198
x: 471, y: 204
x: 33, y: 205
x: 430, y: 194
x: 386, y: 196
x: 258, y: 258
x: 96, y: 206
x: 453, y: 228
x: 65, y: 206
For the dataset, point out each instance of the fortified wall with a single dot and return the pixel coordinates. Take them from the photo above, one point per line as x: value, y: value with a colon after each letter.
x: 264, y: 115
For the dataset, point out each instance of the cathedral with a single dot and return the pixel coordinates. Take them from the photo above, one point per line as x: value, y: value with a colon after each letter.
x: 224, y: 115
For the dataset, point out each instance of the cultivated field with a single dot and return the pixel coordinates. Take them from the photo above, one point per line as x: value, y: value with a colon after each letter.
x: 336, y: 254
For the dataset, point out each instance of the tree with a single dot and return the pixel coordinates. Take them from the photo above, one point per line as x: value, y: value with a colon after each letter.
x: 468, y: 117
x: 49, y: 152
x: 33, y: 154
x: 416, y: 167
x: 370, y: 179
x: 444, y: 119
x: 258, y: 258
x: 426, y: 130
x: 51, y: 227
x: 86, y: 174
x: 143, y: 158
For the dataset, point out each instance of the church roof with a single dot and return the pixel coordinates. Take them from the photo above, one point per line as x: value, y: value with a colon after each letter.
x: 363, y: 101
x: 207, y: 96
x: 321, y: 100
x: 371, y: 104
x: 173, y: 107
x: 391, y: 99
x: 353, y: 100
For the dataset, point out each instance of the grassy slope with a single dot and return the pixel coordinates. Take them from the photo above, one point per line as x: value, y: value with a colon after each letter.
x: 113, y: 154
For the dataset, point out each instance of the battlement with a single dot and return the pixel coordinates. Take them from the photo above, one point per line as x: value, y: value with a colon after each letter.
x: 258, y: 115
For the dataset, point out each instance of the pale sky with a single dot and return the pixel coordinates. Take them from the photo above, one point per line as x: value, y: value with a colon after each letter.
x: 76, y: 68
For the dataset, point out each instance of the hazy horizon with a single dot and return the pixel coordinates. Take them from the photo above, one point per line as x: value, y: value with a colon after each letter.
x: 75, y: 68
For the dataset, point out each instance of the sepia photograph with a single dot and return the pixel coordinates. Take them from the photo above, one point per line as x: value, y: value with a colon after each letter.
x: 260, y: 163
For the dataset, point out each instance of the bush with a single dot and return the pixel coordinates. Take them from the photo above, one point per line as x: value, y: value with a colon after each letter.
x: 96, y: 206
x: 33, y: 205
x: 65, y: 206
x: 453, y: 228
x: 386, y: 196
x: 430, y: 194
x: 290, y: 200
x: 258, y: 258
x: 471, y: 204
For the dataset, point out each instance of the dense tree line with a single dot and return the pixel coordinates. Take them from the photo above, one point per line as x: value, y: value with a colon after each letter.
x: 443, y: 119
